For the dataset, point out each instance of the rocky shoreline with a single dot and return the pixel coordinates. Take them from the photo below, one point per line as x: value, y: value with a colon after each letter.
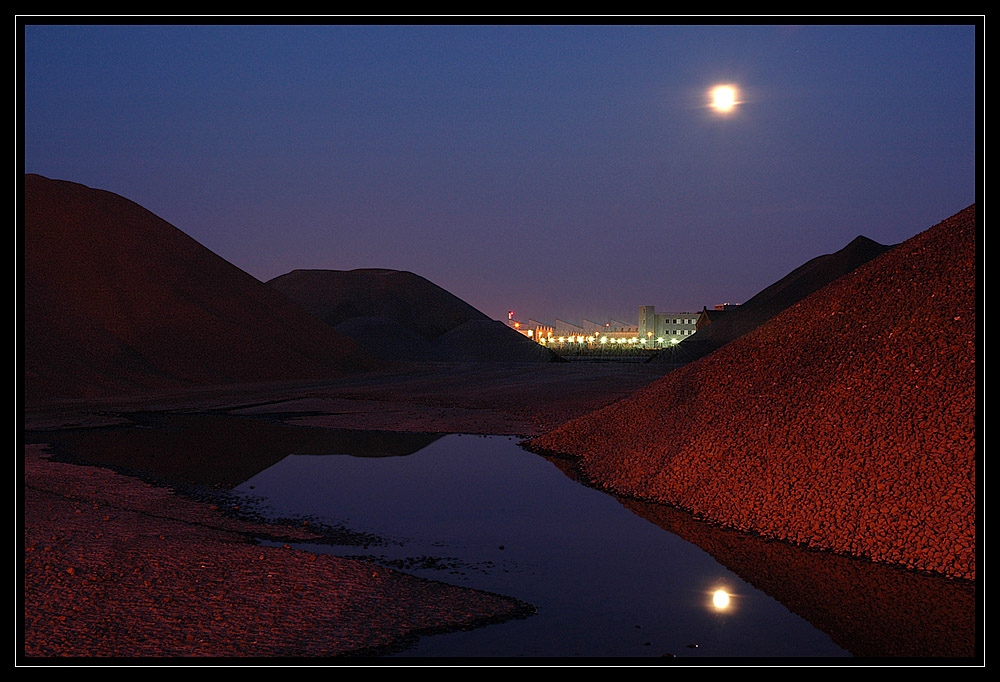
x: 118, y: 568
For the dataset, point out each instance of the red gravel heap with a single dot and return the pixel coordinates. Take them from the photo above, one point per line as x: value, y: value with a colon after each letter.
x: 118, y: 301
x: 846, y: 423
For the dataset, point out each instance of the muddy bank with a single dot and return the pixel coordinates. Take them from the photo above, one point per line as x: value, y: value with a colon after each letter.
x: 521, y: 399
x: 114, y: 567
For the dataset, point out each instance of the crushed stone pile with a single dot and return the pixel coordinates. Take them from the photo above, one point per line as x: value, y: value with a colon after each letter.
x: 846, y: 423
x: 402, y: 316
x: 118, y: 301
x: 813, y: 275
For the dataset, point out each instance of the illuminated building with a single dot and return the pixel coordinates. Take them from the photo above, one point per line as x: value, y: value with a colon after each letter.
x: 655, y: 330
x: 671, y: 327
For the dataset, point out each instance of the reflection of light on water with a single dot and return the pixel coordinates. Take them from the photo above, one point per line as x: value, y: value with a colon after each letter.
x: 720, y: 600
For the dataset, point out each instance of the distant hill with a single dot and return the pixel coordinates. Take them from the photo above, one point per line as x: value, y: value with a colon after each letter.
x: 404, y: 316
x: 489, y: 341
x: 789, y: 290
x: 410, y: 300
x: 847, y: 422
x: 118, y: 301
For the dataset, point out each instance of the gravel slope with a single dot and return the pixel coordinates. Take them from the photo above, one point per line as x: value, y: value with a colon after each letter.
x: 846, y: 423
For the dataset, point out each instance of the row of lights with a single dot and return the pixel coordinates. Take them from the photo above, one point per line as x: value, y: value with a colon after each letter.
x: 603, y: 339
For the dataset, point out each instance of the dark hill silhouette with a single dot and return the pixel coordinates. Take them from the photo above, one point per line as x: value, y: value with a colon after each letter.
x: 410, y: 300
x: 789, y: 290
x: 845, y: 423
x: 489, y: 341
x: 404, y: 316
x: 118, y: 301
x: 385, y: 336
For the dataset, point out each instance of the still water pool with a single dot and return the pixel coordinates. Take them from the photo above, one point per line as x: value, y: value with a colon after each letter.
x: 482, y: 512
x: 610, y: 577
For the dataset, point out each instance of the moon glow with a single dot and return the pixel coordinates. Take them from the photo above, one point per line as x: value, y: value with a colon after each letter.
x: 724, y: 98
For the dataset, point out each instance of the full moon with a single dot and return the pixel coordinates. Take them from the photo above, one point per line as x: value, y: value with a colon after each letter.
x: 724, y: 98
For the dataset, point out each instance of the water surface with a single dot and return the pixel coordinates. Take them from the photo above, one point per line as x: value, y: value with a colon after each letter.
x: 480, y: 511
x: 609, y: 576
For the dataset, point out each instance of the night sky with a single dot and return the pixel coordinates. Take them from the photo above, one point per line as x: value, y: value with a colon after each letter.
x: 558, y: 171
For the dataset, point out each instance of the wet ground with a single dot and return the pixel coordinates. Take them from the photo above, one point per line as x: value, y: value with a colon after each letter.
x: 609, y: 577
x: 89, y: 529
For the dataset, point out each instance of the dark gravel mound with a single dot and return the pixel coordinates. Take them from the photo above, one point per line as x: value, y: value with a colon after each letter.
x: 118, y: 301
x: 403, y: 316
x: 845, y: 423
x: 804, y: 280
x: 489, y: 341
x: 411, y: 301
x: 387, y: 338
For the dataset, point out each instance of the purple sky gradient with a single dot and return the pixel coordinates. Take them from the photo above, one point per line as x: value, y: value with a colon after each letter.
x: 559, y: 171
